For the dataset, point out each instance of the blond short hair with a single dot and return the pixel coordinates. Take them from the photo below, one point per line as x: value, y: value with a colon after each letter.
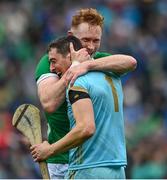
x: 88, y: 15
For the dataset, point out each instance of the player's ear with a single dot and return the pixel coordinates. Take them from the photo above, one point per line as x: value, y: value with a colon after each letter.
x: 69, y: 33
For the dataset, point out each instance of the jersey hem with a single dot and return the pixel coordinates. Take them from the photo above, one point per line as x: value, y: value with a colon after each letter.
x: 97, y: 165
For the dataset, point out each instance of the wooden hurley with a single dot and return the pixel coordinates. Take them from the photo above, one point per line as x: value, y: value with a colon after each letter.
x: 27, y: 120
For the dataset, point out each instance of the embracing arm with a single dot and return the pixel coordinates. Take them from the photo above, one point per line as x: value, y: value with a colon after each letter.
x: 84, y: 129
x: 116, y: 63
x: 119, y: 64
x: 51, y: 92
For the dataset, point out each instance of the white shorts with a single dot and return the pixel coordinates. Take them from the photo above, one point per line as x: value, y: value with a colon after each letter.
x: 57, y: 171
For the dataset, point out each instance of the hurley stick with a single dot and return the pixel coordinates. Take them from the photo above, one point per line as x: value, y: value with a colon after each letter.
x: 27, y: 120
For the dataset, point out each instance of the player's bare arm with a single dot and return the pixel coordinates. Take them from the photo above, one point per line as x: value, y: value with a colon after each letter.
x: 119, y: 64
x: 84, y: 129
x: 51, y: 92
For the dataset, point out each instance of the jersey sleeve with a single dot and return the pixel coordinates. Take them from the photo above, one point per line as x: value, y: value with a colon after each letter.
x: 42, y: 67
x: 101, y: 54
x: 80, y: 87
x: 44, y: 76
x: 77, y: 93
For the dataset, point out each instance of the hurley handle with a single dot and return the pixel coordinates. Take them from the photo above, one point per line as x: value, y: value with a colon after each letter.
x: 44, y: 170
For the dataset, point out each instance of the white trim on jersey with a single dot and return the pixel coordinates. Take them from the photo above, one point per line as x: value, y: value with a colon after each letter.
x: 44, y: 76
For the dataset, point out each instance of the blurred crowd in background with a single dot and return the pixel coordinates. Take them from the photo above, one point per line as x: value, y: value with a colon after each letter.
x: 134, y: 27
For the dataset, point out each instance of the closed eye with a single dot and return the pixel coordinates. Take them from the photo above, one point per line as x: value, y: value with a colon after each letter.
x: 85, y: 39
x: 96, y: 41
x: 52, y: 61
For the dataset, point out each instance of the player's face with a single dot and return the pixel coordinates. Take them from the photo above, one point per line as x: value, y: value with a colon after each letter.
x: 58, y: 63
x: 89, y: 35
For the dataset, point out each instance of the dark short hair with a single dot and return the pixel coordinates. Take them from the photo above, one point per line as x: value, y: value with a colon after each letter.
x: 63, y: 44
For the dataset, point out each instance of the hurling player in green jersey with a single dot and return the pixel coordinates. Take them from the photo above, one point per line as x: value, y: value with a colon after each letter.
x: 87, y: 25
x: 95, y: 108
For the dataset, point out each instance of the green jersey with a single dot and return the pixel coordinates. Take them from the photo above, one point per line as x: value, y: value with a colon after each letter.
x: 58, y: 123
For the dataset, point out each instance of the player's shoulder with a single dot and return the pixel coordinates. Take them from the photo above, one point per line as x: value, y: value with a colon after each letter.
x: 89, y: 76
x: 44, y: 59
x: 42, y: 66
